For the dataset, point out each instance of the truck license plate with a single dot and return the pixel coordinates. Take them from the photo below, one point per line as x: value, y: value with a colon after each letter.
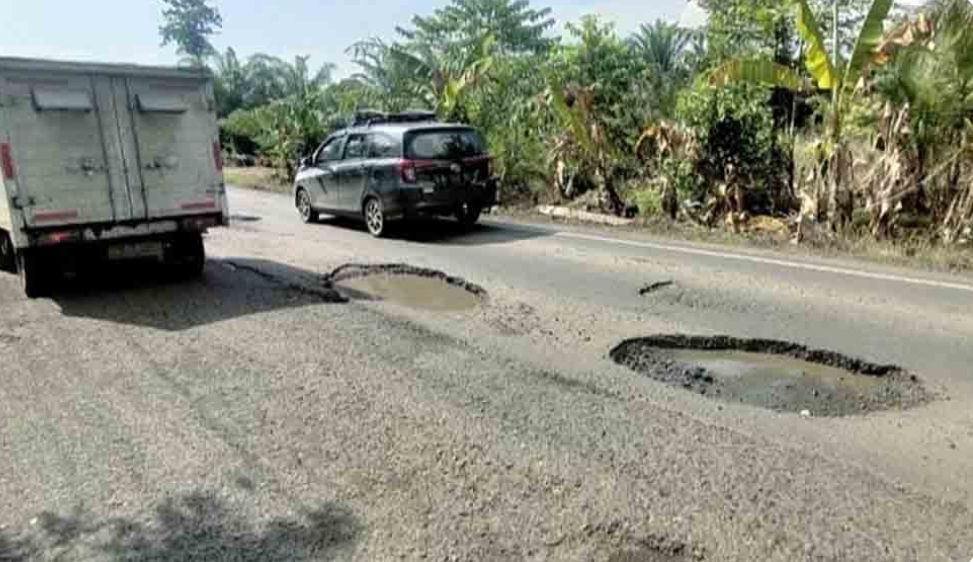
x: 135, y: 251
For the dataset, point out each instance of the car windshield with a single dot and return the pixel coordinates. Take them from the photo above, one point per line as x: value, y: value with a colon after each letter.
x: 444, y: 144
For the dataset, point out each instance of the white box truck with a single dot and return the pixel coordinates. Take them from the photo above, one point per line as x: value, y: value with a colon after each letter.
x: 105, y: 161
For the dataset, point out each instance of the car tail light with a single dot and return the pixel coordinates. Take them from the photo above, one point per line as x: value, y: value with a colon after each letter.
x: 218, y: 155
x: 7, y: 161
x: 407, y: 171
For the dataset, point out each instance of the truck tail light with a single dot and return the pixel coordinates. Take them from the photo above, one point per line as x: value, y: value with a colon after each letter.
x: 59, y: 237
x: 407, y: 171
x: 7, y: 161
x: 218, y: 155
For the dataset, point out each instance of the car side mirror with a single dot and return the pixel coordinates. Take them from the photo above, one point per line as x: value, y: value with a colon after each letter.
x: 305, y: 162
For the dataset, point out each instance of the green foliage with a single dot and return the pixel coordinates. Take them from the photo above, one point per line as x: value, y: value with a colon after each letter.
x: 760, y: 71
x: 506, y: 107
x: 734, y: 130
x: 748, y: 29
x: 465, y: 24
x: 284, y: 129
x: 663, y: 49
x: 231, y: 82
x: 648, y: 198
x: 851, y: 14
x: 565, y: 115
x: 816, y: 56
x: 386, y: 80
x: 662, y: 46
x: 189, y: 24
x: 868, y: 40
x: 262, y: 80
x: 597, y: 60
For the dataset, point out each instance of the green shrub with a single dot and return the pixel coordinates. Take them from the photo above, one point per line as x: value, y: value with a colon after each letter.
x: 648, y: 198
x: 734, y: 126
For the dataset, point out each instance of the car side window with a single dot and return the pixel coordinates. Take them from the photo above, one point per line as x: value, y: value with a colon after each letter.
x: 331, y: 151
x: 381, y: 146
x: 355, y: 148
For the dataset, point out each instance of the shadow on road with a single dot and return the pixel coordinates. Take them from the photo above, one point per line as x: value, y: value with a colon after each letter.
x: 148, y: 295
x: 198, y: 526
x: 444, y: 231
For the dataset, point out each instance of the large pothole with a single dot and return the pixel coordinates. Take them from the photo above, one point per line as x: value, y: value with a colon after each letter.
x: 771, y: 374
x: 407, y: 285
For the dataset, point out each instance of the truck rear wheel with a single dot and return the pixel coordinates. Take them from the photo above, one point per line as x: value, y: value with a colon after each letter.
x: 8, y: 257
x: 189, y: 254
x: 34, y: 277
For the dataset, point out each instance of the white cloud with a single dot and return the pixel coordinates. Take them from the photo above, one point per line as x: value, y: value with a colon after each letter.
x: 627, y: 15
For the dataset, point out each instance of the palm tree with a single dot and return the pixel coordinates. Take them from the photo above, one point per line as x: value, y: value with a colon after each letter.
x: 662, y: 45
x: 297, y: 79
x: 930, y: 72
x: 442, y: 77
x: 381, y: 72
x: 230, y: 83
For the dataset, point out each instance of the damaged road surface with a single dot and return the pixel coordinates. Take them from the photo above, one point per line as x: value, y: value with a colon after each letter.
x: 777, y: 375
x: 289, y: 406
x: 407, y: 285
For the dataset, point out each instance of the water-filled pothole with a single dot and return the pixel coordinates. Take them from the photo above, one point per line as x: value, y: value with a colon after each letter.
x: 772, y: 374
x: 406, y: 285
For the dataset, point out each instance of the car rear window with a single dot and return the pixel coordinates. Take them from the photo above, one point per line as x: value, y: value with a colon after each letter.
x: 443, y: 144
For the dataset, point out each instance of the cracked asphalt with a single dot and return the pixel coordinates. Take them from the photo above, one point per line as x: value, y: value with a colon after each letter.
x: 259, y: 414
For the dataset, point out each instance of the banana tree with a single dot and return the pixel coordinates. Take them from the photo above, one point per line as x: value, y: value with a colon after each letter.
x: 582, y: 143
x: 443, y: 77
x: 829, y: 73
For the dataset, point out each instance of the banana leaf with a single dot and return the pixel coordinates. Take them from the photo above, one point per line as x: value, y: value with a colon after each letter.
x: 758, y: 71
x: 868, y: 41
x: 815, y: 54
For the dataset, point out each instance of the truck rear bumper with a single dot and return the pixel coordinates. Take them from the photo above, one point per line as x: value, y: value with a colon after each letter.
x: 75, y: 234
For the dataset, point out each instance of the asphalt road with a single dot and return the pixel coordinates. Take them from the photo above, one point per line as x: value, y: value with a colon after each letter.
x: 258, y: 415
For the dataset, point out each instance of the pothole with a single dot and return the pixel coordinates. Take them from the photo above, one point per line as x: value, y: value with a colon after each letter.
x: 771, y: 374
x: 407, y: 285
x: 244, y: 218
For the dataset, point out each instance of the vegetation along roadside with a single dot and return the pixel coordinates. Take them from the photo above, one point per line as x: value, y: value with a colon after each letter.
x: 842, y: 125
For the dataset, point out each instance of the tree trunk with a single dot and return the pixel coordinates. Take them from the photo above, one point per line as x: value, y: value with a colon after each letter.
x: 607, y: 187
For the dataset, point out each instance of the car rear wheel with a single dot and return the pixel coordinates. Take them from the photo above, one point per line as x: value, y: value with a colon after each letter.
x: 8, y: 258
x: 375, y: 217
x: 468, y: 214
x: 308, y: 214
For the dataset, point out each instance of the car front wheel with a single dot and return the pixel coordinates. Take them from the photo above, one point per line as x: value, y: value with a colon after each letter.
x: 307, y: 212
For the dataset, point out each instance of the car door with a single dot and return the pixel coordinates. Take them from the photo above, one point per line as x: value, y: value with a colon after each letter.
x: 351, y: 173
x: 321, y: 178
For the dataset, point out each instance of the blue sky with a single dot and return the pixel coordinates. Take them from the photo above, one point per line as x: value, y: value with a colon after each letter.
x: 127, y: 30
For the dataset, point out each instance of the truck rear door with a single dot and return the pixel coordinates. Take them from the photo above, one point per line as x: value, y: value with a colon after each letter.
x: 179, y: 158
x: 68, y: 150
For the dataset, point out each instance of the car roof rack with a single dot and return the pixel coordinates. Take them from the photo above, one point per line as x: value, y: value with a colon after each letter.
x: 368, y: 117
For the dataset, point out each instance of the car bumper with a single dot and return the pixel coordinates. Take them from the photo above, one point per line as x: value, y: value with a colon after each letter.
x: 411, y: 201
